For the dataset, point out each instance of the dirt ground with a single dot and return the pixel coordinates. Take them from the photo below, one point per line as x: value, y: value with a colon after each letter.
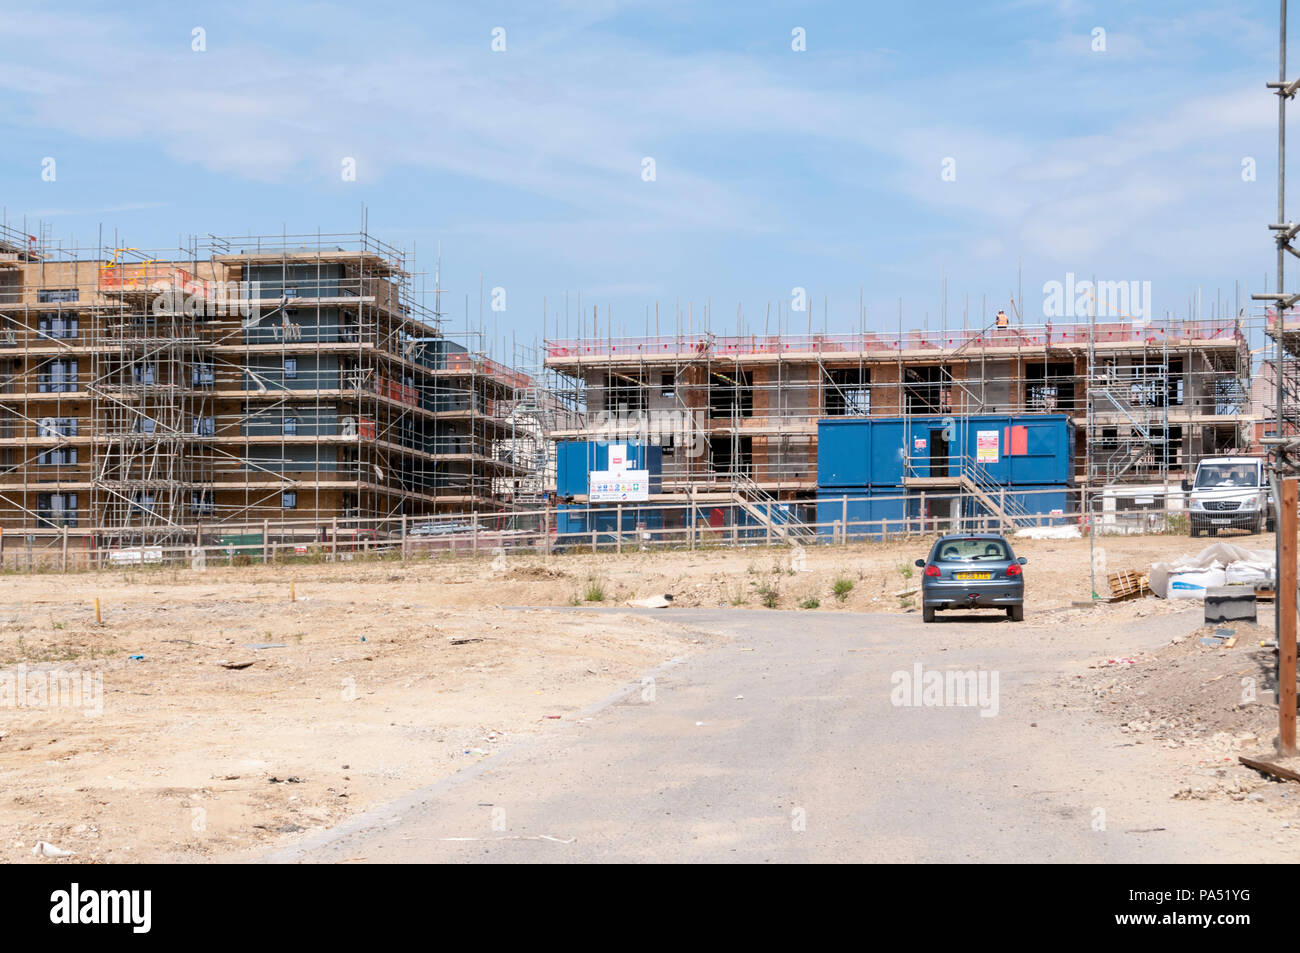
x: 380, y: 677
x: 1210, y: 695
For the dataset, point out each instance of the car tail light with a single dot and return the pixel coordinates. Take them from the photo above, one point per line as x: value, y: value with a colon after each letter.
x: 932, y: 570
x: 1013, y: 569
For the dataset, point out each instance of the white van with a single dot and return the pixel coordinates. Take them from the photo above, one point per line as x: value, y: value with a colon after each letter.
x: 1228, y: 493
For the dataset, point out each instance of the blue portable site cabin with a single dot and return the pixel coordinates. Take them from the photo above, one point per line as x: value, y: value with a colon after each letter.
x: 1010, y: 449
x: 879, y: 475
x: 575, y: 460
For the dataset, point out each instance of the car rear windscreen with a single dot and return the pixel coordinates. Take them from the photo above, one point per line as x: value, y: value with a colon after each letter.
x: 972, y: 549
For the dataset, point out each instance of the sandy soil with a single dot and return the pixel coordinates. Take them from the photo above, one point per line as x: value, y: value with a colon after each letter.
x: 1206, y: 699
x: 365, y: 698
x: 363, y: 695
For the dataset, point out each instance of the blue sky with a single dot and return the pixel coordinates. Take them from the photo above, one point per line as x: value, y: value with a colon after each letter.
x: 774, y: 168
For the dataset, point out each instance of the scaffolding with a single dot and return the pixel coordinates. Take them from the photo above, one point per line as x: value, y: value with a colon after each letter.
x: 1281, y: 435
x: 146, y: 394
x: 145, y: 469
x: 1148, y: 398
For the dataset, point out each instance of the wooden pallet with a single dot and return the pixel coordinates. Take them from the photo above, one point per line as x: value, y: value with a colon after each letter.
x: 1127, y: 584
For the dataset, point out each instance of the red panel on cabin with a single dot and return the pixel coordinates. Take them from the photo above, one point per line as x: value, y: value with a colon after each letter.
x: 1016, y: 440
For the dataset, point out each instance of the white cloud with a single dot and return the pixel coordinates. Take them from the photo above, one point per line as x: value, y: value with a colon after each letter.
x: 1070, y: 163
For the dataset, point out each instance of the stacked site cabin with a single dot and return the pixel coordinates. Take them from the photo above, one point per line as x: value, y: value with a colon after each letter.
x: 882, y: 475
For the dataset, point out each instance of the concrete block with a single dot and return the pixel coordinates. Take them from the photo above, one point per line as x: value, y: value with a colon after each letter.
x: 1229, y: 604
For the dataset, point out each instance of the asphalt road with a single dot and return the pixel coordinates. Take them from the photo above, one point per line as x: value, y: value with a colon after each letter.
x: 779, y: 740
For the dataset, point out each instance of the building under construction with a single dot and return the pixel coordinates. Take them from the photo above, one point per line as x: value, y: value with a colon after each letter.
x: 740, y: 413
x: 238, y: 380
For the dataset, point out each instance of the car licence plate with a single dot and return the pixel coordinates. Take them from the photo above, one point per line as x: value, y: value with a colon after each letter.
x: 973, y: 575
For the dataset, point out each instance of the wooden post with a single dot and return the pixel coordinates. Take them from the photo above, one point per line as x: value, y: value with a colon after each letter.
x: 266, y: 540
x: 474, y: 531
x: 1286, y: 633
x: 691, y: 518
x: 618, y: 531
x: 63, y: 559
x: 844, y: 518
x: 334, y: 539
x: 403, y: 537
x: 98, y: 619
x: 546, y: 528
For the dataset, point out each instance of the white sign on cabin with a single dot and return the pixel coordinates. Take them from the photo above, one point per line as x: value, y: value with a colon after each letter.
x: 617, y: 457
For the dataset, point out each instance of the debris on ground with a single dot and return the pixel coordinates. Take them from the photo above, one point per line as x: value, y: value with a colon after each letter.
x: 1049, y: 532
x: 1195, y: 692
x: 1127, y: 584
x: 1267, y: 767
x: 652, y: 602
x: 46, y: 849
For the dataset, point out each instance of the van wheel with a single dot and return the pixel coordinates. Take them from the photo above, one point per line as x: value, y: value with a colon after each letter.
x: 1016, y: 613
x: 927, y: 613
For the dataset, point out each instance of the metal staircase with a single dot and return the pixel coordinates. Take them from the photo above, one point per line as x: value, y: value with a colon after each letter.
x: 969, y: 477
x: 1134, y: 400
x: 531, y: 444
x: 992, y: 496
x: 767, y: 510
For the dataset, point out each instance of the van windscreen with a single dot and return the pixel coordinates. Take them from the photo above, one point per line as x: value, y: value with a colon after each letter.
x: 1213, y: 475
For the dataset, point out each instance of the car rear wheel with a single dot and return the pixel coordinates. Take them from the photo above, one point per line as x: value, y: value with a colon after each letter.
x: 1016, y: 613
x: 927, y: 613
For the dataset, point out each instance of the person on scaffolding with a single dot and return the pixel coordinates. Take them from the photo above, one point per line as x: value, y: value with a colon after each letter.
x: 1002, y: 320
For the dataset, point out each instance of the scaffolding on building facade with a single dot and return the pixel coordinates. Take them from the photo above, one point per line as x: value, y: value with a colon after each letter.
x: 1148, y: 399
x: 144, y: 394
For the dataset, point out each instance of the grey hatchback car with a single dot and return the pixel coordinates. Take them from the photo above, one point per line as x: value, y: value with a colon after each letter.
x: 972, y: 571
